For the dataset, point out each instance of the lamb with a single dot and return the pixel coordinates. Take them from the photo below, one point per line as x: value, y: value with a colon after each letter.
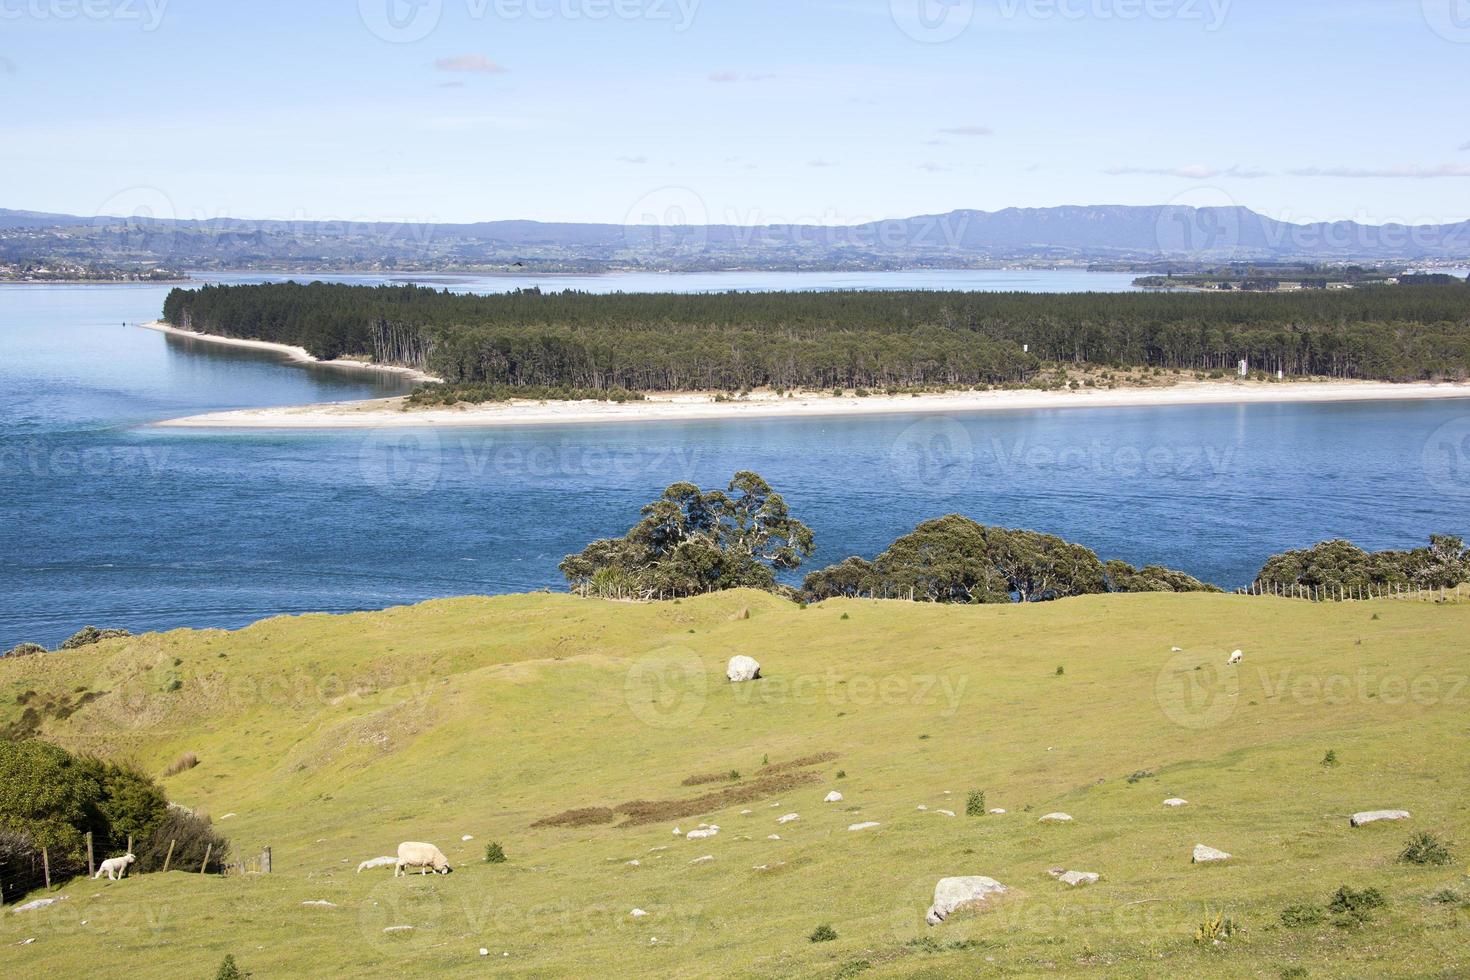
x: 413, y: 854
x: 1235, y: 658
x: 114, y: 868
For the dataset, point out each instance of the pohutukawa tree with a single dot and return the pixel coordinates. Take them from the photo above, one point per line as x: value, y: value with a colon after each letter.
x: 692, y: 541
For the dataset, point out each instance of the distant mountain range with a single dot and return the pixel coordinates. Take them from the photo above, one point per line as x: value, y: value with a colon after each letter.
x: 1077, y: 235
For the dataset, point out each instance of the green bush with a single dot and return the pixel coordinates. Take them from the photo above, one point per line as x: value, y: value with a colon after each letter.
x: 1426, y: 848
x: 1305, y: 914
x: 494, y: 853
x: 1330, y: 759
x: 823, y: 934
x: 24, y: 650
x: 1351, y: 907
x: 975, y: 803
x: 88, y: 635
x: 229, y: 971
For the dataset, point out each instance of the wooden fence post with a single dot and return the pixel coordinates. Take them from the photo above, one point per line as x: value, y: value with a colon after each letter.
x: 46, y: 864
x: 169, y: 856
x: 91, y: 864
x: 205, y: 863
x: 130, y: 844
x: 265, y: 861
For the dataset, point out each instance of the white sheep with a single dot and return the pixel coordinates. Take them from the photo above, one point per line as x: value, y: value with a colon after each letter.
x: 1235, y: 658
x: 413, y: 854
x: 114, y: 868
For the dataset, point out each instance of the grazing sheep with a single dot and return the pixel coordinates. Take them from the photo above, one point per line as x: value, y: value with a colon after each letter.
x: 413, y: 854
x: 114, y: 868
x: 381, y: 862
x: 1235, y: 658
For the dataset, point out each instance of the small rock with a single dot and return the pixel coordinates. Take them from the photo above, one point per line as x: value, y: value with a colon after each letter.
x: 1175, y: 801
x: 467, y: 837
x: 1056, y: 872
x: 399, y: 929
x: 742, y: 669
x: 702, y: 834
x: 921, y: 807
x: 26, y: 942
x: 635, y: 863
x: 1205, y: 855
x: 227, y: 816
x: 678, y: 832
x: 745, y: 813
x: 703, y: 859
x: 1176, y: 649
x: 1373, y: 816
x: 1075, y: 878
x: 951, y: 894
x: 320, y: 903
x: 947, y: 813
x: 637, y: 913
x: 774, y: 837
x: 998, y: 812
x: 832, y: 797
x: 484, y: 951
x: 661, y: 847
x: 39, y: 903
x: 865, y: 825
x: 787, y: 818
x: 1056, y: 818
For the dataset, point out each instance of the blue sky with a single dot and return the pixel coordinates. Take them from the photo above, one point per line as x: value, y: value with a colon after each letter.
x: 744, y: 111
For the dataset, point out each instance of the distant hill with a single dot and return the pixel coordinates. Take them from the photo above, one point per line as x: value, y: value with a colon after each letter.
x: 1078, y: 234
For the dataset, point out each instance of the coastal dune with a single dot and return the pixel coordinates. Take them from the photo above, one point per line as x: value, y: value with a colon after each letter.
x: 298, y: 354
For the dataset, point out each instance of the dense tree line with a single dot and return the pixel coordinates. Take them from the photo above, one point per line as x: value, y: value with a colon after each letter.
x: 852, y: 339
x: 1341, y: 567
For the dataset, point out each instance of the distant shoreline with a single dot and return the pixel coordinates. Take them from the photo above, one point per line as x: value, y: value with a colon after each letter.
x: 298, y: 354
x: 669, y: 406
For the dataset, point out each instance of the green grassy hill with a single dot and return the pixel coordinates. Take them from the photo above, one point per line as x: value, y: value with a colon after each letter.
x: 332, y: 739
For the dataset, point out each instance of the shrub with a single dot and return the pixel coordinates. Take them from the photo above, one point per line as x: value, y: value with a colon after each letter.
x: 842, y: 774
x: 192, y: 836
x: 1293, y: 972
x: 175, y: 685
x: 853, y: 968
x: 1330, y: 759
x: 975, y: 803
x: 494, y: 853
x: 1425, y: 848
x: 186, y: 761
x: 823, y: 934
x: 1216, y: 929
x: 1445, y: 896
x: 1305, y: 914
x: 1351, y: 907
x: 1139, y: 776
x: 88, y: 635
x: 1061, y: 670
x: 229, y: 971
x: 24, y: 650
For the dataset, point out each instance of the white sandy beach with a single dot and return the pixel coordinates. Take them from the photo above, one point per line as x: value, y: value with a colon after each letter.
x: 390, y: 413
x: 294, y: 353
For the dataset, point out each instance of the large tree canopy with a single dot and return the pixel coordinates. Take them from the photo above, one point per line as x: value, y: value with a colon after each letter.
x: 692, y: 541
x: 1342, y: 565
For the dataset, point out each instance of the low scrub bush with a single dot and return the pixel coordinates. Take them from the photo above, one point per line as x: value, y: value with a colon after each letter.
x: 494, y: 853
x: 1305, y: 914
x: 193, y: 837
x: 88, y: 635
x: 975, y: 803
x: 1352, y: 907
x: 1426, y: 848
x: 823, y: 934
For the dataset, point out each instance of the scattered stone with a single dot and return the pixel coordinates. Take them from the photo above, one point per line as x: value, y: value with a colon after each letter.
x: 743, y: 669
x: 637, y: 913
x: 484, y: 951
x: 1205, y: 855
x: 702, y: 834
x: 703, y: 859
x: 1056, y: 872
x: 661, y: 847
x: 1175, y: 801
x: 865, y: 825
x: 399, y: 929
x: 1075, y: 878
x: 26, y: 942
x: 951, y: 894
x: 1056, y: 818
x: 787, y: 818
x: 774, y: 837
x: 1176, y: 649
x: 1373, y: 816
x: 947, y: 813
x: 678, y: 832
x: 227, y: 816
x: 998, y: 812
x: 39, y: 903
x: 832, y: 797
x: 921, y: 807
x: 381, y: 862
x: 467, y: 837
x: 745, y: 813
x: 635, y: 863
x: 320, y: 903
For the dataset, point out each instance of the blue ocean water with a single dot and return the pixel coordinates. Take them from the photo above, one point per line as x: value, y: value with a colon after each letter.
x: 105, y: 520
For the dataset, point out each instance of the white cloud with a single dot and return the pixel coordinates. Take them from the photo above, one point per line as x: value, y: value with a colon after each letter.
x: 968, y: 131
x: 1195, y: 171
x: 929, y: 166
x: 819, y: 162
x: 470, y: 62
x: 1412, y: 172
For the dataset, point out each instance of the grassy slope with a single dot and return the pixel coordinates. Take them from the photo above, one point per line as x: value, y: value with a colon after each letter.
x: 333, y: 738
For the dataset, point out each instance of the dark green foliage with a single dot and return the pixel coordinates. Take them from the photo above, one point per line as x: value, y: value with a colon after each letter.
x: 430, y: 395
x: 193, y: 837
x: 24, y: 650
x: 975, y: 803
x: 1305, y: 914
x: 1061, y: 670
x: 494, y: 853
x: 229, y: 971
x: 1139, y: 776
x: 692, y: 541
x: 46, y: 794
x: 1352, y: 907
x: 1123, y: 577
x: 823, y: 934
x: 848, y: 340
x: 1293, y: 972
x: 1341, y: 567
x: 88, y: 635
x: 128, y: 803
x: 1330, y: 759
x: 1426, y: 848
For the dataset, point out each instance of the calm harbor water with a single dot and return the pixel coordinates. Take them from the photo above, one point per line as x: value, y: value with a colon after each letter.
x: 107, y: 521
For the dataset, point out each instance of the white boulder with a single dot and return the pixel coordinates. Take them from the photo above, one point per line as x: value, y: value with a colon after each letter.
x: 320, y: 903
x: 865, y: 825
x: 1175, y: 801
x: 637, y: 913
x: 1373, y: 816
x: 1206, y: 855
x: 788, y: 817
x: 832, y: 797
x: 1056, y: 818
x: 1075, y: 878
x: 998, y: 812
x: 947, y: 813
x: 701, y: 860
x: 952, y: 894
x: 742, y: 668
x: 702, y: 833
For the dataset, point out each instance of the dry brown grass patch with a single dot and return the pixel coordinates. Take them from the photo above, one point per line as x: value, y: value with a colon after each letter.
x: 585, y: 817
x: 641, y: 812
x: 184, y: 762
x: 802, y: 763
